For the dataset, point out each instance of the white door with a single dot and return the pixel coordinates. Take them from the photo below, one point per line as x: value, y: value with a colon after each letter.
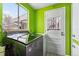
x: 54, y: 39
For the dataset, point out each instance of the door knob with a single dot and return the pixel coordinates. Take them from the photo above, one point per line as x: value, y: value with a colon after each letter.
x: 62, y: 33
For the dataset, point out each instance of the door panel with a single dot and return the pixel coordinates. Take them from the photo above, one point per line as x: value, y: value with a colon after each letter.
x: 55, y: 31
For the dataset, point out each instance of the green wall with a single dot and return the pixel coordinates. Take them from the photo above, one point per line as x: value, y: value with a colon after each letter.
x: 40, y: 22
x: 32, y: 17
x: 0, y: 15
x: 0, y: 24
x: 2, y: 35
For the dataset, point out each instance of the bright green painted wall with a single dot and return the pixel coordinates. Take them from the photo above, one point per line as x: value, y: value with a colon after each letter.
x: 2, y: 35
x: 0, y: 24
x: 0, y: 15
x: 32, y: 17
x: 40, y: 22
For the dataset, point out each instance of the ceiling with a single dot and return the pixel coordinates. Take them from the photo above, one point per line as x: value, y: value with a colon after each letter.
x: 40, y: 5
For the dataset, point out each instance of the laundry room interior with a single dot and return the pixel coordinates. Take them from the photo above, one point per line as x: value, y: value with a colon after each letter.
x: 39, y: 29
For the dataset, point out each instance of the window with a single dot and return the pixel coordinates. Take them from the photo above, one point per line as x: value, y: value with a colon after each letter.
x: 15, y: 18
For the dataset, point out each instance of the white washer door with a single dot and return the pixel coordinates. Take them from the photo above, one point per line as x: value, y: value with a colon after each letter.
x: 55, y: 32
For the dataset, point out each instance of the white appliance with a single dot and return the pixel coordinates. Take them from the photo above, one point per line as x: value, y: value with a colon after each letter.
x: 75, y: 30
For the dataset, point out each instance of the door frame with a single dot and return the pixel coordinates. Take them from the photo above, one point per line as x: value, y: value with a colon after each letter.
x: 67, y: 23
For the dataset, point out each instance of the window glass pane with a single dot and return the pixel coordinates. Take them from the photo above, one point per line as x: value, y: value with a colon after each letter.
x: 15, y: 18
x: 9, y: 13
x: 23, y: 18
